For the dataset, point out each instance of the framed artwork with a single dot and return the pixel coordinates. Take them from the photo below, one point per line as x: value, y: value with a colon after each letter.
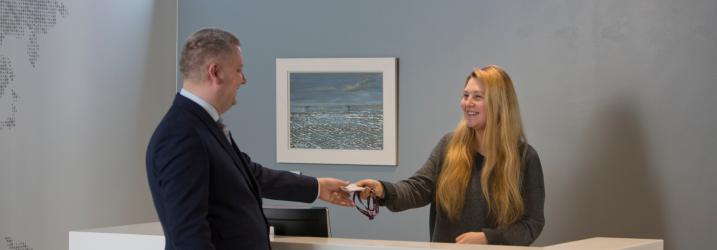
x: 336, y: 111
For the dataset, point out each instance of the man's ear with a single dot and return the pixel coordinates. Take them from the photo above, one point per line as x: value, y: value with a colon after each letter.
x: 213, y: 72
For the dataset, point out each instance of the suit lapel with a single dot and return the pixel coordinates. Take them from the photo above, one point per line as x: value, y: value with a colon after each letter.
x: 247, y: 163
x: 239, y: 162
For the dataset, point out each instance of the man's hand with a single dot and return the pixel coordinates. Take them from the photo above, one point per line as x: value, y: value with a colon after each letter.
x: 330, y: 191
x: 472, y: 238
x: 371, y: 184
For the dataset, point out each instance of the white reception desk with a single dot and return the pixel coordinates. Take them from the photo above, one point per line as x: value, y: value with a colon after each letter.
x: 149, y: 236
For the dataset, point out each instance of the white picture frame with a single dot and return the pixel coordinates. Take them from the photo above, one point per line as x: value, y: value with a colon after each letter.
x: 338, y: 115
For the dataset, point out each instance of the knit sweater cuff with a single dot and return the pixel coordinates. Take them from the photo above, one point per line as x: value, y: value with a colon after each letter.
x: 494, y: 236
x: 389, y: 191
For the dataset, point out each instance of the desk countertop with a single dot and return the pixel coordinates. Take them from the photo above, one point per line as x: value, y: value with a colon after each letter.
x: 149, y: 236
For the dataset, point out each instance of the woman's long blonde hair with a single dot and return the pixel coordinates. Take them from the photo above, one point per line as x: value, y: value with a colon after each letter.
x: 501, y: 177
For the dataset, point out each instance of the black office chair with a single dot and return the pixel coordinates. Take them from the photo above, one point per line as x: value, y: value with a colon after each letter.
x: 299, y: 221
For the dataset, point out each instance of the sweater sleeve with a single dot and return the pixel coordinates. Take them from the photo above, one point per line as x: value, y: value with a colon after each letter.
x: 419, y: 189
x: 526, y: 229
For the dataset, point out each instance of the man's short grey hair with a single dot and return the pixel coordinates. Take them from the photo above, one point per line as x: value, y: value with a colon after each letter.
x: 203, y: 45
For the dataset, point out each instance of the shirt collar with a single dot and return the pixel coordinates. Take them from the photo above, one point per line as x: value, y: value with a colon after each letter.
x: 208, y: 107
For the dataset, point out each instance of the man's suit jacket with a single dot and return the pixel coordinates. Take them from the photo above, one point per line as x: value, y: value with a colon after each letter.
x: 206, y: 191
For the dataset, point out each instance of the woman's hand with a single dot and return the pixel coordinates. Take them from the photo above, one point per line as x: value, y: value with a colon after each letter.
x: 472, y: 238
x: 371, y: 184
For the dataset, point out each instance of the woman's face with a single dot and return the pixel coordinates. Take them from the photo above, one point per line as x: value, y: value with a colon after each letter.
x: 473, y: 104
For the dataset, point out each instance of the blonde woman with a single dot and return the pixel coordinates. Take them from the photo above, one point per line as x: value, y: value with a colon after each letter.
x: 483, y: 181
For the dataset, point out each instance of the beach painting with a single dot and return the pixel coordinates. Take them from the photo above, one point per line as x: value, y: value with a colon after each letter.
x: 336, y: 110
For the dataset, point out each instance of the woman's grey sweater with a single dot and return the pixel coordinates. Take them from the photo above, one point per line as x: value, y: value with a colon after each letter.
x: 419, y: 190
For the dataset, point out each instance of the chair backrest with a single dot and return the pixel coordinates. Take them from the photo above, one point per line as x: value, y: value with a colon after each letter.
x: 299, y: 221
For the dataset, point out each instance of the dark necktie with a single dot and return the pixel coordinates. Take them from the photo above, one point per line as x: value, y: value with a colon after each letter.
x: 225, y: 130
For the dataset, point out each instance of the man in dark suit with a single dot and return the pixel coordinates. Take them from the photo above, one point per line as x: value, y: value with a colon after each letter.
x: 207, y: 192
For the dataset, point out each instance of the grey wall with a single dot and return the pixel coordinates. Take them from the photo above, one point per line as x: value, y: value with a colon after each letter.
x: 616, y: 96
x: 75, y: 157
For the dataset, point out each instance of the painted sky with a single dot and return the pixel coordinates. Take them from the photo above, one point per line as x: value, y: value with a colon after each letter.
x: 336, y: 88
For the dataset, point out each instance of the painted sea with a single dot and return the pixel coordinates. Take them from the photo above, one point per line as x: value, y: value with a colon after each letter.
x: 336, y: 111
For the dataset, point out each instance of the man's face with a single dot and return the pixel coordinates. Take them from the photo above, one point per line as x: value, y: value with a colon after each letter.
x: 232, y: 77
